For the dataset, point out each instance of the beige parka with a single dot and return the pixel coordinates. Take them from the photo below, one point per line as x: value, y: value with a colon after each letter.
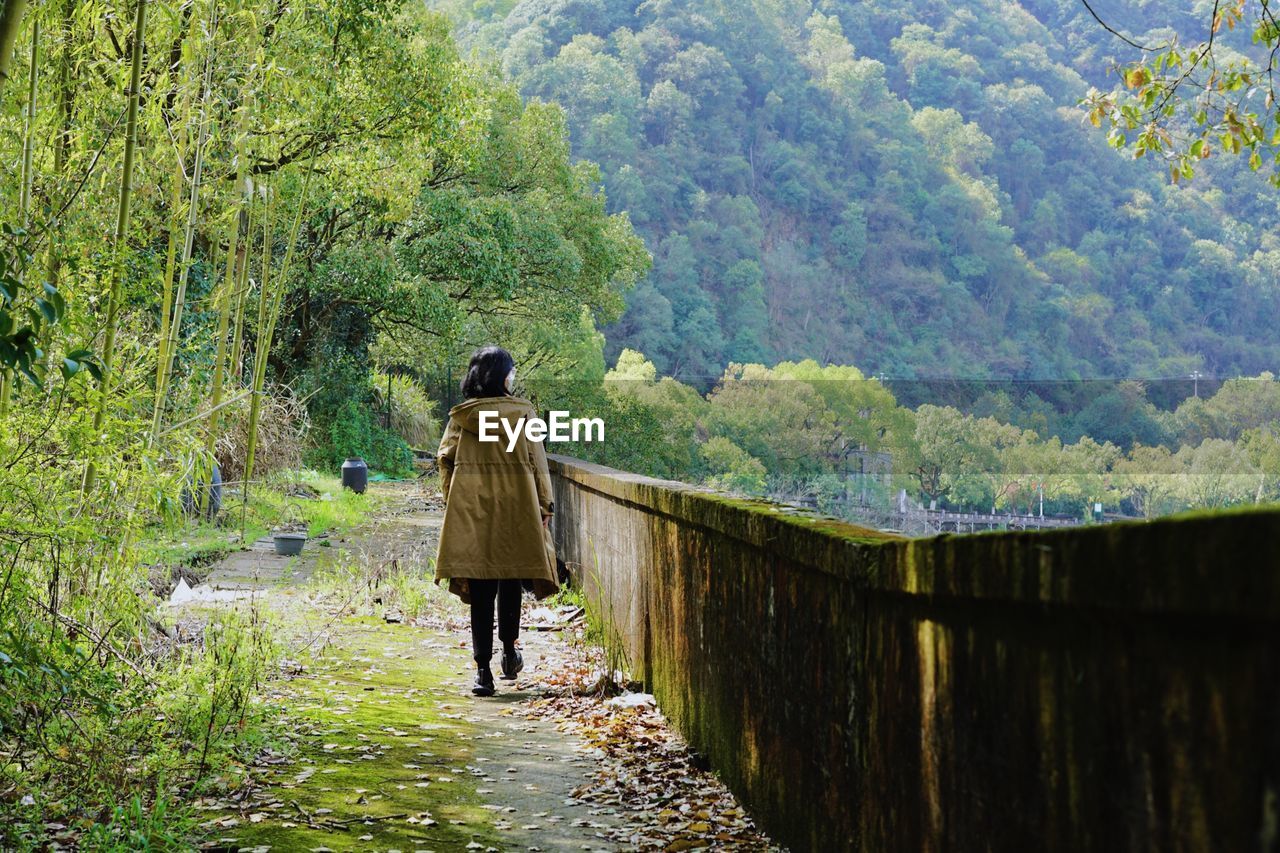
x: 495, y: 500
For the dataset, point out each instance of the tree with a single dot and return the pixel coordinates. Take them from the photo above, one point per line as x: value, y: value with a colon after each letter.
x: 1150, y: 477
x: 732, y: 468
x: 784, y: 423
x: 1088, y: 477
x: 943, y: 454
x: 1237, y: 406
x: 1262, y: 447
x: 1217, y: 473
x: 885, y: 233
x: 1186, y: 103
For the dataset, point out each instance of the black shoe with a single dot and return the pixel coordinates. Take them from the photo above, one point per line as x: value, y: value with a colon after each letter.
x: 484, y: 682
x: 512, y: 663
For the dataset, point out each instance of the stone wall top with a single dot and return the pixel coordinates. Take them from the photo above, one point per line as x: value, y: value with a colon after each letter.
x: 1223, y: 563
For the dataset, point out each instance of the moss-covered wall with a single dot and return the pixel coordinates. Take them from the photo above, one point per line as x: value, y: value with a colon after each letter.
x: 1101, y: 688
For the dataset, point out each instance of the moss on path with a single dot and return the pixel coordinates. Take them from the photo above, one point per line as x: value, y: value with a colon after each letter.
x: 378, y: 744
x: 382, y: 758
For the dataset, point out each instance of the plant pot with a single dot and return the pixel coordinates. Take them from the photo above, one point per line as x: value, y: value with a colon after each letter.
x: 289, y: 544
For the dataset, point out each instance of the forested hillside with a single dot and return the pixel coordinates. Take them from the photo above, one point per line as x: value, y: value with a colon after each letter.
x: 911, y: 188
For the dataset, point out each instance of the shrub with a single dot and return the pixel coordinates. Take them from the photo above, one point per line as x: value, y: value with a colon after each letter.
x: 92, y: 721
x: 732, y: 468
x: 413, y: 412
x: 355, y: 430
x: 346, y: 422
x: 282, y: 428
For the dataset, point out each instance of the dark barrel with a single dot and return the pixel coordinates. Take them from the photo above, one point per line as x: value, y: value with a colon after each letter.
x: 355, y: 475
x: 213, y: 495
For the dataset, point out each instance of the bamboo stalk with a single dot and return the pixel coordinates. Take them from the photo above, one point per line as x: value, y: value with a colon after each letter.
x: 202, y: 415
x: 220, y: 358
x: 241, y: 300
x: 121, y: 234
x: 24, y: 196
x: 176, y: 218
x: 267, y: 318
x: 11, y: 12
x: 261, y: 349
x: 28, y: 138
x: 62, y: 146
x: 229, y: 282
x: 164, y: 372
x: 170, y: 261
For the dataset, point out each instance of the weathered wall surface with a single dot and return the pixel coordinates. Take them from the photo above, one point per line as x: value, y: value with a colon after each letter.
x: 1101, y: 688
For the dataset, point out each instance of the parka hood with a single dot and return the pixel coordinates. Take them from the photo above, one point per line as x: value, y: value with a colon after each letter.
x: 467, y: 413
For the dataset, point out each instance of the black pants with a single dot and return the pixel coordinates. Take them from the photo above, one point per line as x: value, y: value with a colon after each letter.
x: 483, y: 592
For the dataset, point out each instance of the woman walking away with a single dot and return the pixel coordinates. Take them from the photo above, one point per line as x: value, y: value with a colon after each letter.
x: 498, y: 505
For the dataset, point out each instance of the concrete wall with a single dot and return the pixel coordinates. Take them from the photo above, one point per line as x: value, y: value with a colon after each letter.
x: 1102, y: 688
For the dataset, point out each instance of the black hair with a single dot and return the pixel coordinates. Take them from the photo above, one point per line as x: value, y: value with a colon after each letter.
x: 487, y: 373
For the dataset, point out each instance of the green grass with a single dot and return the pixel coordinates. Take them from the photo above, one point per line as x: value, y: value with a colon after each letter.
x: 186, y: 544
x: 194, y: 545
x: 282, y: 501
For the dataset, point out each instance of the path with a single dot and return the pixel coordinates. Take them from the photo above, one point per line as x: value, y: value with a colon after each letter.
x: 380, y: 745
